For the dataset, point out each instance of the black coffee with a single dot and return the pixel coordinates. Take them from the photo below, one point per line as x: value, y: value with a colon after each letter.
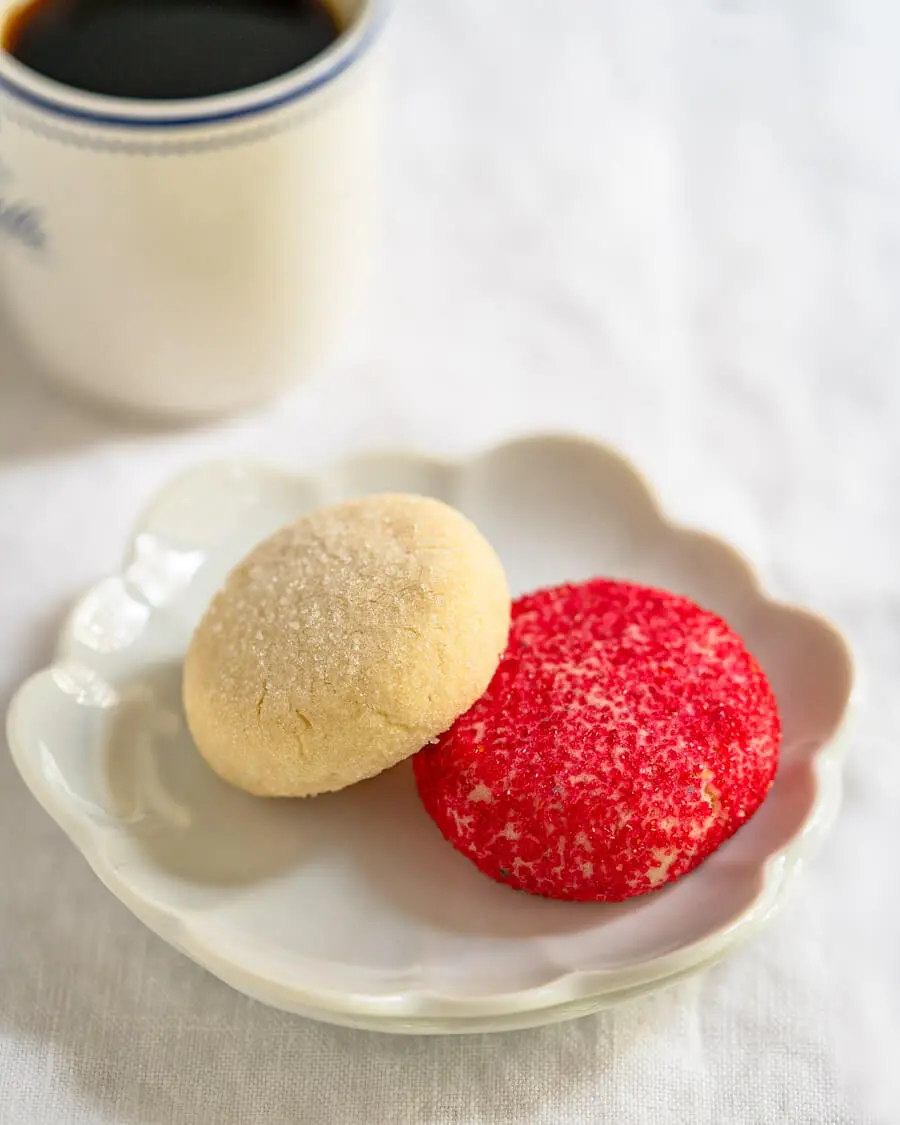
x: 168, y: 48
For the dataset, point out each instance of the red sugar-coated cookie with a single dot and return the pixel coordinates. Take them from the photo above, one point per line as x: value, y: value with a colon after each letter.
x: 625, y: 735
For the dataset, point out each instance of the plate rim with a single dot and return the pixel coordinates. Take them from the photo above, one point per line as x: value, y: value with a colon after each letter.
x: 573, y: 992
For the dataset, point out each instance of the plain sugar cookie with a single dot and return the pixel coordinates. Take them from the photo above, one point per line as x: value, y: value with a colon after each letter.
x: 343, y: 644
x: 626, y: 734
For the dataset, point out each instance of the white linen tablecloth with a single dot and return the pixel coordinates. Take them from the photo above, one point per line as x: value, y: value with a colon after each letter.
x: 675, y: 226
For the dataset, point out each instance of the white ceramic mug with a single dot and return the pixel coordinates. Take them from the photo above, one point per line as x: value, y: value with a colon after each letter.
x: 185, y: 257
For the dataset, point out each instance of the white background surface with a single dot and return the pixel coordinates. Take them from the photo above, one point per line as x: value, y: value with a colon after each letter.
x: 677, y: 227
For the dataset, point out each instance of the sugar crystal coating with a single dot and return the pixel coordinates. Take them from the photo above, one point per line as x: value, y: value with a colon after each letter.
x: 343, y: 643
x: 626, y: 734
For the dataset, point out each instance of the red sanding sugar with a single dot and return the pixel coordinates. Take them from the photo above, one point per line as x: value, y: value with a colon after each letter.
x: 625, y: 735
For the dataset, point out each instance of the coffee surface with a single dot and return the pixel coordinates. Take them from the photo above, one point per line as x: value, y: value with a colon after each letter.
x: 168, y: 48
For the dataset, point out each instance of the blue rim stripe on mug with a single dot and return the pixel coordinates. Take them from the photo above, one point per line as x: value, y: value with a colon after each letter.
x: 304, y: 89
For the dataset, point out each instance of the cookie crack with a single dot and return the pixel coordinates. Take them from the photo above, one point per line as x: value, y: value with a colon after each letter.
x: 390, y: 721
x: 261, y: 701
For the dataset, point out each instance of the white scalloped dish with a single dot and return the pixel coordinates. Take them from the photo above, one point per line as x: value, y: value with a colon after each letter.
x: 350, y: 907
